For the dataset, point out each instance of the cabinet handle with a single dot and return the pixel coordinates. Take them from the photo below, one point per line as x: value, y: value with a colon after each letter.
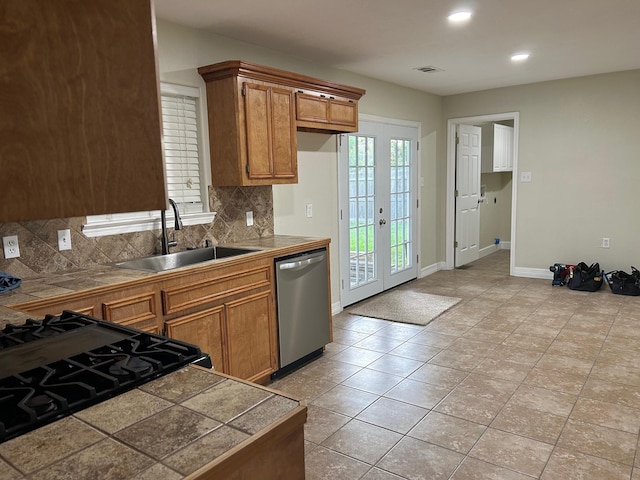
x: 300, y: 264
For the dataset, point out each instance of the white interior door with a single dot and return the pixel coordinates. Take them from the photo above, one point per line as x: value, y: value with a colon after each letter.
x: 378, y: 205
x: 467, y: 194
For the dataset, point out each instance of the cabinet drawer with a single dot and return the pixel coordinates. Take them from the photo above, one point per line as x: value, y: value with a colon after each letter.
x: 136, y: 309
x: 183, y: 297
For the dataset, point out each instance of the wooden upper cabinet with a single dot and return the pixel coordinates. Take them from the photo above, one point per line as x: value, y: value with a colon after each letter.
x: 315, y: 112
x: 80, y: 120
x: 254, y: 112
x: 271, y: 133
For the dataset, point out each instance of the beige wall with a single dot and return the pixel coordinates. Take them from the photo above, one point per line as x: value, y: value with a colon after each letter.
x: 579, y: 138
x: 182, y: 50
x: 495, y: 212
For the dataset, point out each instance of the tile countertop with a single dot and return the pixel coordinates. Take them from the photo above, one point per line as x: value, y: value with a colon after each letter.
x: 166, y: 429
x: 96, y: 276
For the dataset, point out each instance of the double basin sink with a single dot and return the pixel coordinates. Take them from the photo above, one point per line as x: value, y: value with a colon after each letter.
x: 170, y: 261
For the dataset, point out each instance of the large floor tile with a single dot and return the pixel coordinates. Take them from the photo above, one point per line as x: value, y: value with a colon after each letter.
x: 417, y: 460
x: 566, y: 464
x: 513, y: 452
x: 345, y: 400
x: 450, y: 432
x: 362, y: 441
x: 393, y: 415
x: 324, y: 464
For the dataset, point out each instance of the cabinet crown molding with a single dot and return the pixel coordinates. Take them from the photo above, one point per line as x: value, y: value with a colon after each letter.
x: 232, y: 68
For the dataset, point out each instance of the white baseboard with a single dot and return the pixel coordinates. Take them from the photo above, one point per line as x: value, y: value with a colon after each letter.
x: 336, y: 308
x: 542, y: 273
x: 488, y: 250
x: 431, y: 269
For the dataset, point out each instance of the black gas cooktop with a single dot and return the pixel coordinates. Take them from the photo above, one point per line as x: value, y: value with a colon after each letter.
x: 54, y: 367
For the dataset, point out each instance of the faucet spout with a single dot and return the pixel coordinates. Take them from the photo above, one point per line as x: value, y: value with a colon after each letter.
x: 166, y: 244
x: 176, y: 214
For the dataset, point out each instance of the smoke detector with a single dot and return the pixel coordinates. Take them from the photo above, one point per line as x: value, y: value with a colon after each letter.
x: 428, y: 69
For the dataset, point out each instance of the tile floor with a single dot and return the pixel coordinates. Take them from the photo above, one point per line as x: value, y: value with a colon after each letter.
x: 520, y: 380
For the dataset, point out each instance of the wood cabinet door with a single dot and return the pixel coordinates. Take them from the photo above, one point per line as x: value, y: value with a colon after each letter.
x: 322, y: 113
x: 250, y: 336
x: 344, y: 113
x: 79, y: 101
x: 204, y: 329
x: 283, y: 134
x: 271, y: 133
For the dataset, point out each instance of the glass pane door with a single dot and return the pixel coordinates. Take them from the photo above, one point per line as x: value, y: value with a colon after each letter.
x: 362, y: 238
x: 401, y: 231
x: 378, y: 209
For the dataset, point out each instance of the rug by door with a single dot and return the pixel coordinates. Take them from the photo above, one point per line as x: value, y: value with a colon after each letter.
x: 406, y: 306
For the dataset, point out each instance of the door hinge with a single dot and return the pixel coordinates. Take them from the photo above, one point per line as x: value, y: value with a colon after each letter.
x: 340, y: 214
x: 339, y: 140
x: 418, y: 259
x: 418, y: 145
x: 246, y: 167
x: 457, y: 139
x: 342, y: 282
x: 418, y: 203
x: 455, y: 244
x: 244, y: 91
x: 455, y: 193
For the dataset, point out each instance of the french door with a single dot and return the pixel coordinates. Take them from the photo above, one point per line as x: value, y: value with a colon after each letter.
x: 378, y: 209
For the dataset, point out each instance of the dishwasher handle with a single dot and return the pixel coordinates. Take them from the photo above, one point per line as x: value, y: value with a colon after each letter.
x: 301, y: 264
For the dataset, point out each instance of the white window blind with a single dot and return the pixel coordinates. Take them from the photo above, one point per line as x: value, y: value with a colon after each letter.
x: 181, y: 150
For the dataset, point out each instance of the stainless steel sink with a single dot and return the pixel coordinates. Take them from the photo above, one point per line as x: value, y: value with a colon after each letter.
x: 160, y: 263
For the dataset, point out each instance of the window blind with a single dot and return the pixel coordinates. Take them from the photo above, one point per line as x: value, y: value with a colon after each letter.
x: 181, y: 151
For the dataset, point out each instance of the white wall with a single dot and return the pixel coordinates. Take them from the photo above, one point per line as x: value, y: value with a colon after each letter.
x: 181, y: 50
x: 579, y: 138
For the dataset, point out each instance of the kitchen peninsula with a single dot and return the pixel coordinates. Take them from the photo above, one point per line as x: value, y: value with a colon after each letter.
x: 193, y: 424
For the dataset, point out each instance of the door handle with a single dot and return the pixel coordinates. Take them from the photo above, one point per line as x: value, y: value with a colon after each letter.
x: 382, y: 222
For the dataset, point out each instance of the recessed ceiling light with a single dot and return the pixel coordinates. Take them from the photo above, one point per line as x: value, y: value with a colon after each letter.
x: 459, y: 16
x: 519, y: 57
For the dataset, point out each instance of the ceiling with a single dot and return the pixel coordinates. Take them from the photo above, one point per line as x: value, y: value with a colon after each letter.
x: 388, y: 40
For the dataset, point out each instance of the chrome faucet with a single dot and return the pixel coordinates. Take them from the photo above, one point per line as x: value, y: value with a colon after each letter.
x: 166, y: 244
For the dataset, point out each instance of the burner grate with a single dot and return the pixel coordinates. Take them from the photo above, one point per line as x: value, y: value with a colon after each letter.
x: 84, y: 361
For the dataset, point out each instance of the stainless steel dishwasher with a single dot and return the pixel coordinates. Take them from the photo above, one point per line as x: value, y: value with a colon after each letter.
x: 304, y: 316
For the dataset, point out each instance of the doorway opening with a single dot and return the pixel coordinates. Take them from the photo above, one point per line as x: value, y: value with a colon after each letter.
x: 509, y: 118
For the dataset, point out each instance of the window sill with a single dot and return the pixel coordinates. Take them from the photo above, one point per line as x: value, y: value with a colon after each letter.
x: 115, y: 227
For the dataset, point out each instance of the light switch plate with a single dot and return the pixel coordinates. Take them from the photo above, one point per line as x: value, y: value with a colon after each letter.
x: 11, y: 247
x: 309, y: 208
x: 249, y: 219
x: 525, y: 176
x: 64, y: 239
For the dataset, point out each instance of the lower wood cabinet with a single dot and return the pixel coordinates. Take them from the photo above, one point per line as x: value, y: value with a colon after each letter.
x: 230, y: 314
x: 204, y: 329
x: 238, y: 335
x: 251, y: 337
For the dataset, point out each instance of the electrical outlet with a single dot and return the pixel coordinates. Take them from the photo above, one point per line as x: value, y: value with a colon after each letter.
x: 11, y: 247
x: 64, y: 239
x: 249, y: 219
x: 309, y: 207
x: 606, y: 242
